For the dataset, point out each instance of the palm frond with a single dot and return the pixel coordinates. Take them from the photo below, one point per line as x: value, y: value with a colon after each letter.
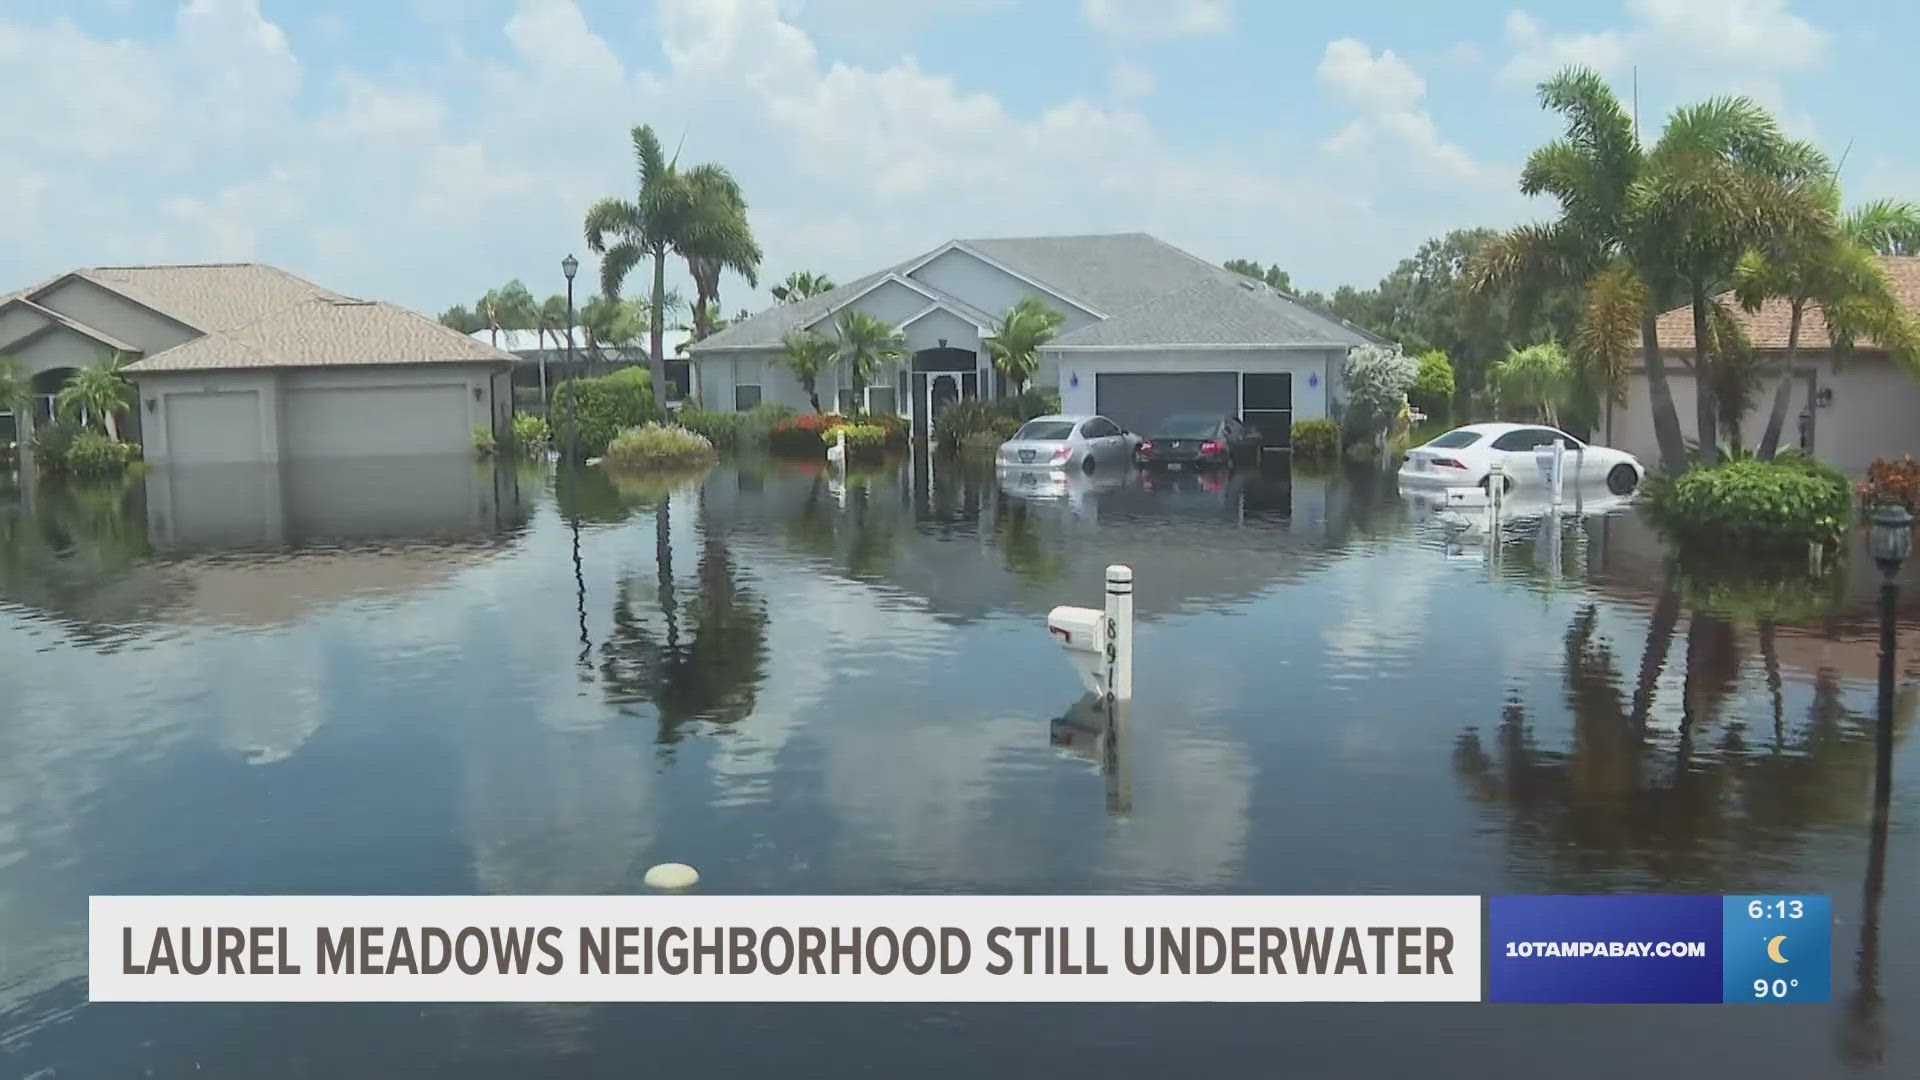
x: 616, y: 263
x: 612, y: 218
x: 1885, y: 226
x: 1609, y: 328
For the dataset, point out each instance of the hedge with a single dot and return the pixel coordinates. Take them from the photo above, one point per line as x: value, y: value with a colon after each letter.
x: 1751, y: 506
x: 605, y: 408
x: 1315, y: 440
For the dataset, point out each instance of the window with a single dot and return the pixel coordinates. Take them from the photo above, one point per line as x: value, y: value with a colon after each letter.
x: 746, y: 385
x: 1455, y: 439
x: 1044, y: 431
x: 1528, y: 438
x: 843, y: 402
x: 880, y: 399
x: 1098, y: 428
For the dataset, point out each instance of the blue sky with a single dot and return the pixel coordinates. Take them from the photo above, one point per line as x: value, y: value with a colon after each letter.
x: 424, y: 150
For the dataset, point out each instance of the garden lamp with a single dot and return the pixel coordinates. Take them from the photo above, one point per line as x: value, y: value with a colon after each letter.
x: 1891, y: 538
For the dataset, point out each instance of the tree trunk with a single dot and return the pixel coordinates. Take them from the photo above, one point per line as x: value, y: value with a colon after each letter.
x: 1706, y: 411
x: 542, y: 331
x: 1666, y: 421
x: 1653, y: 659
x: 656, y: 359
x: 1782, y: 389
x: 112, y: 425
x: 813, y: 398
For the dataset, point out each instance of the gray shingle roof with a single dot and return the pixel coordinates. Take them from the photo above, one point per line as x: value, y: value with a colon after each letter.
x: 1151, y: 293
x: 1217, y: 313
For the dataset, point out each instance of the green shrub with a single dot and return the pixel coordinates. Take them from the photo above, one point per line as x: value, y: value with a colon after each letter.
x: 863, y: 440
x: 94, y: 454
x: 633, y: 374
x: 483, y: 443
x: 527, y: 399
x: 1754, y: 506
x: 530, y: 434
x: 606, y: 407
x: 722, y: 429
x: 961, y: 419
x: 1315, y: 440
x: 51, y: 443
x: 654, y: 446
x: 1432, y: 390
x: 1028, y: 404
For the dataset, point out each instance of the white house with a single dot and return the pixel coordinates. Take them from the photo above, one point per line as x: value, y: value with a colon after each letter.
x: 240, y: 362
x: 1148, y: 330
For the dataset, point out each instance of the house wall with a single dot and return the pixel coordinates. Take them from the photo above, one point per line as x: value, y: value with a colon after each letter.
x: 1309, y: 401
x: 17, y: 322
x: 166, y: 396
x: 719, y: 373
x: 890, y: 301
x: 58, y: 348
x: 1872, y: 414
x: 113, y: 314
x: 993, y: 291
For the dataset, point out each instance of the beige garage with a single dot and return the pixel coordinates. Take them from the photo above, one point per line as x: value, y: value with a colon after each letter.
x: 360, y: 421
x: 216, y: 427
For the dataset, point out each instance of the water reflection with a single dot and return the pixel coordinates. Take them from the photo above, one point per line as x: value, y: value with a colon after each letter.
x: 509, y: 680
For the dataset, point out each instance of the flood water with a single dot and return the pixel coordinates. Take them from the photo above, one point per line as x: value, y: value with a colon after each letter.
x: 436, y: 677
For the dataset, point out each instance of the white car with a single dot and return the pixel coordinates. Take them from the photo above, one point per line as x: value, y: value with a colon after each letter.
x: 1069, y: 442
x: 1464, y: 457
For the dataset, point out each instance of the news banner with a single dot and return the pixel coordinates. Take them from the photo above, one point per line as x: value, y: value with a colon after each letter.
x: 692, y: 948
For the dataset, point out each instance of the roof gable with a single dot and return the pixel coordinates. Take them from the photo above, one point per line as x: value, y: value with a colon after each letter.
x: 54, y: 320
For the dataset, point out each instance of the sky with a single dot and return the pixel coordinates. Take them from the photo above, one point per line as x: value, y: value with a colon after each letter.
x: 422, y: 151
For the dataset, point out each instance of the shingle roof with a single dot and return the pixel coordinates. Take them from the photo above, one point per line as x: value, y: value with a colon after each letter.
x: 1768, y: 328
x: 326, y: 330
x: 1217, y: 313
x: 1115, y: 273
x: 209, y: 296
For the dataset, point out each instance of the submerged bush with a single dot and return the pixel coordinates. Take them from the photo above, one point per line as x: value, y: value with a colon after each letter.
x: 962, y: 420
x: 530, y: 434
x: 1315, y: 440
x: 94, y: 454
x: 1754, y: 506
x: 602, y: 408
x: 863, y: 440
x: 483, y: 441
x: 658, y: 446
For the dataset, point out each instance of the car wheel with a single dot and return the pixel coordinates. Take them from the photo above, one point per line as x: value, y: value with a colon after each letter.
x: 1622, y: 479
x: 1087, y: 464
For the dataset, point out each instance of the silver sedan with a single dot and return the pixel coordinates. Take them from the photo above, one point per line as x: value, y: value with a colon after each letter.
x: 1068, y: 442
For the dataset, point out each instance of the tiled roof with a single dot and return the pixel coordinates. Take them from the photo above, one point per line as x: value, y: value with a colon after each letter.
x: 326, y: 330
x: 209, y: 296
x: 1116, y: 274
x: 1768, y: 327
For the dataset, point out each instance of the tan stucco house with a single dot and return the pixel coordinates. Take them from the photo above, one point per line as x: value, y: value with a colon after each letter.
x: 241, y: 362
x: 1865, y: 406
x: 1147, y: 330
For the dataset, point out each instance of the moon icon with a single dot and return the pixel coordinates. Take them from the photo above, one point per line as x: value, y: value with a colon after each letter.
x: 1773, y: 949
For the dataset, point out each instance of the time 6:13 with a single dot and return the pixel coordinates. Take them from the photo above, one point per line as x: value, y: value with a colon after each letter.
x: 1778, y: 909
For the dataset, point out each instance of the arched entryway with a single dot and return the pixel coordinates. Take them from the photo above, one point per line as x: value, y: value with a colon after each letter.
x: 42, y: 389
x: 940, y: 377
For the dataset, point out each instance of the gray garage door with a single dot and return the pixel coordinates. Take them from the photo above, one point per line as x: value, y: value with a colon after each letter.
x: 1137, y: 401
x: 209, y: 428
x: 368, y: 421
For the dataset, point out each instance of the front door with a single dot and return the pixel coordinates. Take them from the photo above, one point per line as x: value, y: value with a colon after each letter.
x: 941, y: 391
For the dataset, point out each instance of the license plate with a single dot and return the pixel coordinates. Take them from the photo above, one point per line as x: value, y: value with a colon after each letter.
x: 1174, y: 466
x: 1028, y: 479
x: 1026, y: 455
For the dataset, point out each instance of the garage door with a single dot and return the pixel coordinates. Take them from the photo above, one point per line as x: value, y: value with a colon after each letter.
x: 1137, y: 401
x: 206, y: 428
x: 367, y: 421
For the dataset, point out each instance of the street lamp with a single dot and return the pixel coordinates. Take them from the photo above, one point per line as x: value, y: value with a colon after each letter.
x: 569, y: 266
x: 1890, y: 538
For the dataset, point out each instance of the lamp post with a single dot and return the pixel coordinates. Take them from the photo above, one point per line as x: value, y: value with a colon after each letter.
x: 569, y: 266
x: 1890, y: 538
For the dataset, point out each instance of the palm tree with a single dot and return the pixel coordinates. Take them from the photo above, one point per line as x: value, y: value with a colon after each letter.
x: 802, y: 284
x: 614, y: 322
x: 1536, y: 376
x: 509, y: 307
x: 1014, y: 346
x: 13, y: 387
x: 549, y: 321
x: 1589, y: 171
x: 807, y: 354
x: 1837, y: 272
x: 97, y: 390
x: 698, y: 213
x: 459, y: 318
x: 1722, y: 179
x: 867, y: 342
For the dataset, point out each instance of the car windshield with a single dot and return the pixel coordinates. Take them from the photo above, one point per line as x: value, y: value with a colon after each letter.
x: 1044, y: 431
x: 1455, y: 439
x: 1187, y: 426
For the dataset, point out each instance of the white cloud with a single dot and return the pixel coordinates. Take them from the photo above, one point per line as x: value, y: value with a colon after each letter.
x: 1141, y: 20
x: 1739, y: 35
x: 1129, y: 81
x: 1388, y: 94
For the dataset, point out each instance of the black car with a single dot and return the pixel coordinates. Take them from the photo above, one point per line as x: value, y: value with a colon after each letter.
x: 1197, y: 441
